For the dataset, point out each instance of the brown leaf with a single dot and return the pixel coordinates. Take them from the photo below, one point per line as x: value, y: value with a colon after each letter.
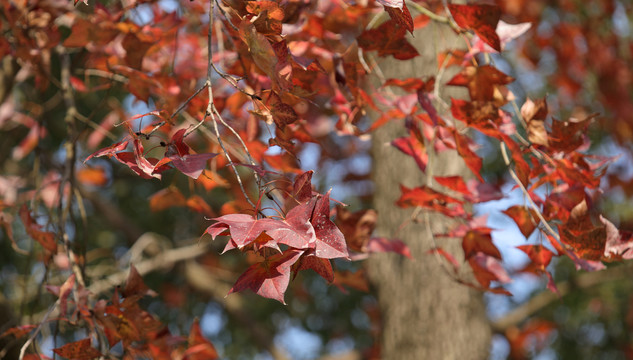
x: 78, y: 350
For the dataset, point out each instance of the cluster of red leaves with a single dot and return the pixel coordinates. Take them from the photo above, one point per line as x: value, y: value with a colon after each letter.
x: 120, y: 320
x: 298, y: 68
x: 305, y: 238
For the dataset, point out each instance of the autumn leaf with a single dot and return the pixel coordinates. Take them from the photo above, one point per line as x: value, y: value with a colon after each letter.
x: 302, y: 187
x: 109, y: 151
x: 199, y: 348
x: 323, y: 267
x: 381, y: 244
x: 400, y: 14
x: 388, y: 39
x: 330, y: 242
x: 283, y: 114
x: 270, y: 278
x: 487, y: 269
x: 78, y: 350
x: 33, y: 229
x: 135, y: 286
x: 619, y: 244
x: 481, y: 18
x: 539, y: 255
x: 166, y: 198
x: 482, y: 82
x: 525, y: 219
x: 476, y: 242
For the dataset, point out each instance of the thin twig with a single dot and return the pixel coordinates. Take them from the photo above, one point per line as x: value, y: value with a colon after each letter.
x: 533, y: 205
x: 69, y: 166
x: 37, y: 330
x: 212, y: 111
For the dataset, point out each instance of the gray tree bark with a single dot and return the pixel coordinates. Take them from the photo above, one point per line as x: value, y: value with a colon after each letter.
x: 425, y: 314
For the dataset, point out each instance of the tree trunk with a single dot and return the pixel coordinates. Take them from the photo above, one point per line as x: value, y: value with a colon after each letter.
x: 426, y: 315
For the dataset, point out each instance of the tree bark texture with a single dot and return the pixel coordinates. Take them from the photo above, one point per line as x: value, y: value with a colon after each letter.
x: 425, y: 314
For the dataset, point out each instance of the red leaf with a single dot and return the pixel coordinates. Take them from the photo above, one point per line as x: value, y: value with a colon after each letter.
x: 330, y: 242
x: 428, y: 198
x: 18, y: 331
x: 134, y: 285
x: 283, y: 114
x: 357, y: 227
x: 199, y: 347
x: 166, y: 198
x: 33, y: 229
x: 474, y: 162
x: 78, y: 350
x: 388, y: 39
x: 191, y: 165
x: 487, y: 269
x: 482, y: 19
x: 355, y: 280
x: 322, y: 267
x: 619, y: 244
x: 270, y: 278
x: 109, y: 151
x: 475, y: 242
x: 525, y: 219
x: 401, y: 15
x: 538, y: 254
x: 381, y: 244
x: 481, y: 81
x: 302, y: 187
x: 408, y: 85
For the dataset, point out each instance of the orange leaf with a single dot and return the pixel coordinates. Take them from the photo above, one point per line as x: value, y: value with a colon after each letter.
x: 166, y: 198
x: 482, y: 19
x: 78, y: 350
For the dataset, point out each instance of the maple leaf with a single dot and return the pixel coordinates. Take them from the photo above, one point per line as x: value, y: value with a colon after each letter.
x: 355, y: 280
x: 539, y: 255
x: 487, y: 269
x: 525, y: 219
x: 199, y: 348
x: 413, y: 145
x: 179, y: 155
x: 481, y: 81
x: 388, y: 39
x: 283, y: 114
x: 109, y: 151
x: 482, y: 19
x: 302, y: 187
x: 381, y: 244
x: 473, y: 191
x: 78, y: 350
x: 323, y: 267
x: 357, y: 227
x: 619, y: 244
x: 428, y: 198
x: 400, y: 14
x: 166, y: 198
x: 330, y: 242
x: 134, y: 285
x: 269, y: 278
x: 33, y: 229
x: 479, y: 241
